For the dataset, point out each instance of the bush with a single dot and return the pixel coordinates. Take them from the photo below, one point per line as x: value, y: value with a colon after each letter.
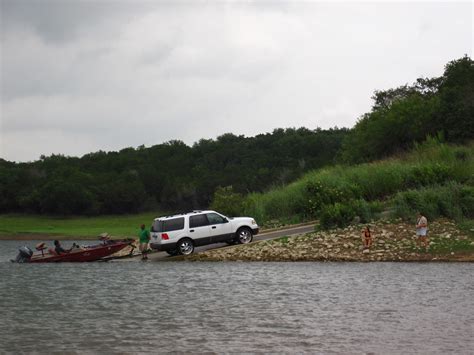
x: 227, y: 201
x: 454, y: 201
x: 336, y: 215
x: 430, y: 164
x: 428, y: 174
x: 342, y: 214
x: 466, y: 200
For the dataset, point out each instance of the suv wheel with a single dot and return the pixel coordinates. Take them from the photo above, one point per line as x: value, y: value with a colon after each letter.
x: 244, y: 236
x: 185, y: 246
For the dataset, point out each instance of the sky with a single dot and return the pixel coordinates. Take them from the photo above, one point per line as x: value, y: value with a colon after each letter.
x: 82, y: 76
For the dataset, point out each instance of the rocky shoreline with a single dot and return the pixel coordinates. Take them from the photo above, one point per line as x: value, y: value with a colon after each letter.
x: 393, y: 241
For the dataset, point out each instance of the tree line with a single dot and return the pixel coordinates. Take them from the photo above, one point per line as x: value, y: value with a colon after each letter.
x: 169, y: 176
x: 174, y: 176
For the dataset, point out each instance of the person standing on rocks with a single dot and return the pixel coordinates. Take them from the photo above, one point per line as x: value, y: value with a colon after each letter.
x: 422, y: 230
x: 144, y: 239
x: 367, y: 237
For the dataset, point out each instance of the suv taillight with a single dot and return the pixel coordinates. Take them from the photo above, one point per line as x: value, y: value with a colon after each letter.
x: 164, y: 236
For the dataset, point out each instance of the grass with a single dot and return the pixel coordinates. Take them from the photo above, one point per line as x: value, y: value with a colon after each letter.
x: 85, y: 227
x: 429, y: 166
x: 439, y: 245
x: 467, y: 226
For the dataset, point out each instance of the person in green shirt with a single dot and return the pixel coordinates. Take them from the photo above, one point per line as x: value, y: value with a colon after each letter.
x: 144, y: 239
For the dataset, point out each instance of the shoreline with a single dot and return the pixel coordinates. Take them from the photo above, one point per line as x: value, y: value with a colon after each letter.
x: 393, y: 242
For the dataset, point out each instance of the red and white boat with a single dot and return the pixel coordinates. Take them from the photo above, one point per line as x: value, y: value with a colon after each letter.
x: 76, y: 254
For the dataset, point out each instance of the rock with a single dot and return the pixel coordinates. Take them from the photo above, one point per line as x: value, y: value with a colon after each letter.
x: 366, y: 251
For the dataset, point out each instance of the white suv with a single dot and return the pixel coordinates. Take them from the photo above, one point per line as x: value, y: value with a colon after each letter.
x: 179, y: 234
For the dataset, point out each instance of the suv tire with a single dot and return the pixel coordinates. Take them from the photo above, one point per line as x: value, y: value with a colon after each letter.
x: 244, y: 235
x: 185, y: 246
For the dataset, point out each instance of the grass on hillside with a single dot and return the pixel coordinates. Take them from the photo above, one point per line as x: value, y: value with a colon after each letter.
x: 88, y: 227
x: 347, y: 191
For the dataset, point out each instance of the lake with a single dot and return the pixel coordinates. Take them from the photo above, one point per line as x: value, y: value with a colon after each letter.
x: 132, y: 306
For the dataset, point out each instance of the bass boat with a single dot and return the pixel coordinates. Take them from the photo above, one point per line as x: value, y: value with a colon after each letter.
x: 77, y: 253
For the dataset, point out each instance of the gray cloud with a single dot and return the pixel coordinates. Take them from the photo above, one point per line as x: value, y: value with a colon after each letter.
x: 81, y: 76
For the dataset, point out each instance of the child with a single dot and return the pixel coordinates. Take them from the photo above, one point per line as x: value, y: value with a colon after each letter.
x: 367, y: 237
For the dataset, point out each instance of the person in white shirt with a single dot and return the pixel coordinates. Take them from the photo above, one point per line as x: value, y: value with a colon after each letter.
x: 422, y: 230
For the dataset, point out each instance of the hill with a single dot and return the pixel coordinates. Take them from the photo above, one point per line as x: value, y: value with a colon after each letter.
x: 173, y: 176
x: 435, y: 178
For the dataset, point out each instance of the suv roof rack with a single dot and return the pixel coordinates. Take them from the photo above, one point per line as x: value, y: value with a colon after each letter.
x: 183, y: 213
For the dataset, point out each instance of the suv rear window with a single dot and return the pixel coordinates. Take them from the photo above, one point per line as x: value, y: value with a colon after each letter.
x: 168, y: 225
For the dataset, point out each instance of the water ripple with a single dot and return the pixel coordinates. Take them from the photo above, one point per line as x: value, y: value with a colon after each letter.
x: 390, y: 308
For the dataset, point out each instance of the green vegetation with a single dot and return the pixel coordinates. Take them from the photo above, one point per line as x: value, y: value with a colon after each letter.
x: 440, y: 245
x: 227, y: 201
x: 424, y: 133
x: 88, y: 227
x: 407, y: 114
x: 435, y: 177
x: 170, y: 176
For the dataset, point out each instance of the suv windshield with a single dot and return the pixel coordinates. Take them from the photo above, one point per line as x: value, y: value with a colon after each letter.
x: 168, y: 225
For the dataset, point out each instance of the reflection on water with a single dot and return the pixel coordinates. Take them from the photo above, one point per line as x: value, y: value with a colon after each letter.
x: 236, y: 307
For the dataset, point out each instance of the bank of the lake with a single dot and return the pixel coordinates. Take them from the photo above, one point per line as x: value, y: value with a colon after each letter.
x: 393, y: 241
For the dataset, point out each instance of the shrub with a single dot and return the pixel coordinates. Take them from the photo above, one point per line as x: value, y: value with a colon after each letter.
x: 466, y: 201
x: 227, y: 201
x: 342, y: 214
x: 336, y: 215
x: 431, y: 164
x: 452, y: 200
x: 427, y: 174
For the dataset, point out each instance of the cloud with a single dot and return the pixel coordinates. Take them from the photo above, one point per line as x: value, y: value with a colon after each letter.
x: 80, y: 76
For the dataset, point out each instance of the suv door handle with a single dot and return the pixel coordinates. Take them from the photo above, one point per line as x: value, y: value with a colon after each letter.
x: 191, y: 230
x: 213, y: 227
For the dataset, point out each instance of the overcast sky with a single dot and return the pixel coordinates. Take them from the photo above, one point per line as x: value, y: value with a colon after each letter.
x: 82, y: 76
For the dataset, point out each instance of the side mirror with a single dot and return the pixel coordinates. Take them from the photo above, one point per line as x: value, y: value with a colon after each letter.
x: 226, y: 220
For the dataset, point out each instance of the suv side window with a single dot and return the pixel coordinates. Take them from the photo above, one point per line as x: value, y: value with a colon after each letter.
x: 198, y: 221
x: 214, y: 218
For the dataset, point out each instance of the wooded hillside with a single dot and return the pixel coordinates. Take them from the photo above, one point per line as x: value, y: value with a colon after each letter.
x: 175, y: 176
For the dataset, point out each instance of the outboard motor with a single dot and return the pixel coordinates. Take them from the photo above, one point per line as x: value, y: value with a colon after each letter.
x: 24, y: 255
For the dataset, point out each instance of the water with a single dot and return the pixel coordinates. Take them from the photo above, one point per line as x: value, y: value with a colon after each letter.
x: 399, y: 308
